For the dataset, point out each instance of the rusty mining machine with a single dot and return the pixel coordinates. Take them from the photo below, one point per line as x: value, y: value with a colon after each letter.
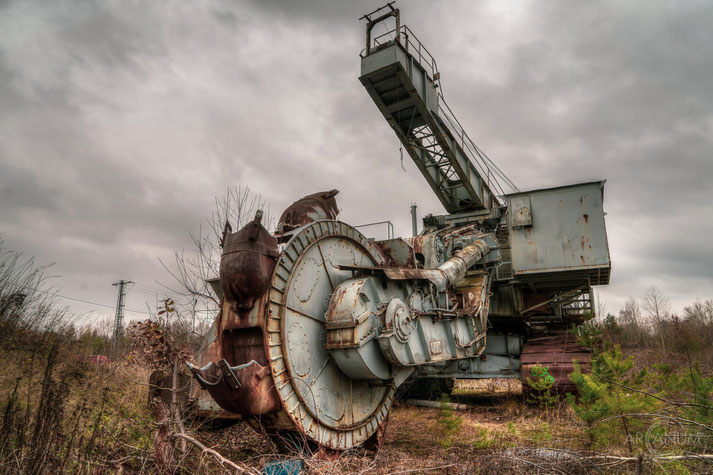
x: 319, y: 326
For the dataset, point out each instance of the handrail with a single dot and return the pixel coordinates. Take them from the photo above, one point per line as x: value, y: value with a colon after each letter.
x: 410, y: 42
x: 389, y: 227
x: 469, y: 144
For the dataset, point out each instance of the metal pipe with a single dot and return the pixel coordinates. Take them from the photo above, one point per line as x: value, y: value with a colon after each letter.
x: 414, y: 220
x: 456, y: 267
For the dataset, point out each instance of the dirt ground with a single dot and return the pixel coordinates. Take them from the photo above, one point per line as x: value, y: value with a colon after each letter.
x: 497, y: 432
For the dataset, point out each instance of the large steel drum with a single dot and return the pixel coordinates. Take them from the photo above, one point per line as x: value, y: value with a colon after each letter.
x: 320, y: 400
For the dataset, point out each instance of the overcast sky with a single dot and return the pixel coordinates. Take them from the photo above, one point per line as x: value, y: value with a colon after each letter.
x: 120, y: 122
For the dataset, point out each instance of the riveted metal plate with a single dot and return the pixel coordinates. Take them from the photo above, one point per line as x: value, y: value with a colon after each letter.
x: 319, y: 398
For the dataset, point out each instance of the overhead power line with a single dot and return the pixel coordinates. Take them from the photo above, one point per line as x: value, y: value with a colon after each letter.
x: 113, y: 307
x: 147, y: 287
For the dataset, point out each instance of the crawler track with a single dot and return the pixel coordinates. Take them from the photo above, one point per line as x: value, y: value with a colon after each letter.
x: 554, y: 356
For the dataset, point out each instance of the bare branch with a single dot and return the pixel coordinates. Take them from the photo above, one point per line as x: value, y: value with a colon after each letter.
x: 221, y: 460
x: 193, y: 268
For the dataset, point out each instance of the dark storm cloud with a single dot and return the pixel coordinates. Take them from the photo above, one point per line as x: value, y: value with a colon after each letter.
x: 605, y: 90
x: 121, y: 121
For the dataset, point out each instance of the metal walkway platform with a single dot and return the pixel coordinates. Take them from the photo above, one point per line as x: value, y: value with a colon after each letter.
x: 403, y: 80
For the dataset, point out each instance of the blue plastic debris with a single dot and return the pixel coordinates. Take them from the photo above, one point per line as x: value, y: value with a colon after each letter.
x: 282, y: 467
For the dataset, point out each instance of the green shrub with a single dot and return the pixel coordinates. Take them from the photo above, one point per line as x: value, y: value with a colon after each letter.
x: 544, y: 433
x: 610, y: 397
x: 482, y: 441
x: 449, y: 421
x: 540, y: 388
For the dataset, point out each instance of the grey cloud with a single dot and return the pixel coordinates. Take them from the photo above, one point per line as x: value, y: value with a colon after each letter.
x: 121, y: 122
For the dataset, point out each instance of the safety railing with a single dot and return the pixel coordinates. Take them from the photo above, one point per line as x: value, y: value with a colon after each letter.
x: 403, y: 35
x: 488, y: 170
x: 389, y: 227
x: 410, y: 42
x: 412, y: 45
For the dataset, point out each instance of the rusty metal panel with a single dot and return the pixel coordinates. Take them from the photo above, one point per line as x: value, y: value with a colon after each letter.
x: 554, y: 357
x: 567, y: 232
x: 521, y: 210
x: 531, y: 302
x: 400, y: 252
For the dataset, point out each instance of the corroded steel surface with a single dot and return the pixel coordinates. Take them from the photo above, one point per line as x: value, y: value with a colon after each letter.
x: 554, y: 357
x: 321, y: 401
x: 233, y: 370
x: 204, y: 404
x: 397, y: 252
x: 447, y: 273
x: 246, y: 264
x: 311, y: 208
x: 244, y: 389
x: 455, y: 267
x: 233, y: 367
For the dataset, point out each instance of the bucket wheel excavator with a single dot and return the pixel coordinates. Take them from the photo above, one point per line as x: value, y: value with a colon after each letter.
x: 319, y: 326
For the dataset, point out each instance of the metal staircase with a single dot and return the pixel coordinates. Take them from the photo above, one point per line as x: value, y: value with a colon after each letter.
x: 402, y: 78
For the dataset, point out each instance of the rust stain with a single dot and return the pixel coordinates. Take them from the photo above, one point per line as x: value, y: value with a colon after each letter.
x: 386, y: 251
x: 255, y: 394
x: 586, y: 218
x: 557, y: 354
x: 246, y: 266
x: 234, y: 368
x: 530, y: 300
x: 308, y: 209
x: 406, y: 274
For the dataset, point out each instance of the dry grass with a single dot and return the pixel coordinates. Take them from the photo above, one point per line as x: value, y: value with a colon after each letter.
x: 499, y: 432
x: 492, y: 429
x: 80, y: 416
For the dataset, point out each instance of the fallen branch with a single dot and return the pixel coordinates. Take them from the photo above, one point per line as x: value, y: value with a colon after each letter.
x: 425, y: 469
x: 436, y: 404
x: 221, y: 460
x: 651, y: 457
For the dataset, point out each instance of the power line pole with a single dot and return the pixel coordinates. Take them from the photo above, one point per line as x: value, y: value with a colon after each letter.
x: 119, y: 317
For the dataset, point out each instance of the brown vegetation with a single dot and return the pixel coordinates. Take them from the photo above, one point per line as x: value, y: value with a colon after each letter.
x: 65, y: 410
